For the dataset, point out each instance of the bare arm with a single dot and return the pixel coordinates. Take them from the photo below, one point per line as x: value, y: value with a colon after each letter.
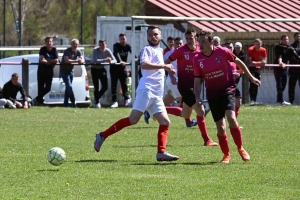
x: 244, y: 68
x: 260, y: 63
x: 152, y: 66
x: 197, y: 90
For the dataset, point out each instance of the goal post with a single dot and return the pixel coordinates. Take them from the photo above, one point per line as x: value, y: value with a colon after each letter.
x: 186, y: 19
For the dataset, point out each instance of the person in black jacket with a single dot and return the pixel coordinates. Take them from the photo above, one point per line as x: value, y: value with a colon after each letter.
x: 119, y: 72
x: 10, y: 91
x: 47, y: 60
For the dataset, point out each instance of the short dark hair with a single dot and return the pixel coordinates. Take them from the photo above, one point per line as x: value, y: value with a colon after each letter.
x: 48, y: 38
x: 297, y: 33
x: 153, y: 27
x: 206, y: 34
x: 170, y: 38
x: 283, y: 36
x: 228, y: 42
x: 15, y: 75
x: 122, y: 34
x: 190, y: 32
x: 102, y: 41
x: 178, y: 39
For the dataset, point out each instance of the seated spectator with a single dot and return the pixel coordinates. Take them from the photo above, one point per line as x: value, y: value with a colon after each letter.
x: 170, y: 42
x: 10, y: 91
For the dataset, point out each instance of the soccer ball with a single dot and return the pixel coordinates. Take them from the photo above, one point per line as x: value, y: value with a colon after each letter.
x: 56, y: 156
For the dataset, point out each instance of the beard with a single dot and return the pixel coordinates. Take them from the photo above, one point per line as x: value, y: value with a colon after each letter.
x: 154, y: 44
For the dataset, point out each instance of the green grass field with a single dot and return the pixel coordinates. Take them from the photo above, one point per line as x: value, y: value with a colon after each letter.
x: 126, y: 167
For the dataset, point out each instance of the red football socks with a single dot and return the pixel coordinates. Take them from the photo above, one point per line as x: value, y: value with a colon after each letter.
x: 162, y: 137
x: 119, y: 125
x: 174, y: 110
x: 202, y: 126
x: 223, y: 142
x: 236, y: 134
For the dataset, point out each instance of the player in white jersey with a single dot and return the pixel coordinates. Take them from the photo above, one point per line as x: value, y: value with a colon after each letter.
x: 149, y: 96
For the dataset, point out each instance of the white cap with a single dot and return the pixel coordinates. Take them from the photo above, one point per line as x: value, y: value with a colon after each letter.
x: 216, y: 38
x: 238, y: 44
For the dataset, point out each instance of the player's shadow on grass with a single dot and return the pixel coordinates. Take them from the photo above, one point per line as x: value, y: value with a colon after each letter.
x: 136, y: 146
x: 47, y: 170
x: 176, y: 163
x: 92, y: 160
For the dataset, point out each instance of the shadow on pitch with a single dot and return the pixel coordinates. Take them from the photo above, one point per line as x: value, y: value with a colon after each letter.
x: 176, y: 163
x: 91, y: 161
x: 136, y: 146
x: 47, y: 170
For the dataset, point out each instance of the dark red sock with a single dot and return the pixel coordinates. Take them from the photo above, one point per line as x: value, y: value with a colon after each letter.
x: 223, y: 142
x: 236, y: 134
x: 187, y: 120
x: 237, y: 110
x: 202, y: 126
x: 119, y: 125
x: 162, y: 137
x: 174, y: 110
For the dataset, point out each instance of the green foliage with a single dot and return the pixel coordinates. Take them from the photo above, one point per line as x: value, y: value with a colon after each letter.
x: 126, y: 168
x: 56, y: 17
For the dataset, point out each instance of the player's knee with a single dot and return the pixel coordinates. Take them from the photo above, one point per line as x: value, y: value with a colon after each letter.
x: 133, y: 120
x: 165, y: 122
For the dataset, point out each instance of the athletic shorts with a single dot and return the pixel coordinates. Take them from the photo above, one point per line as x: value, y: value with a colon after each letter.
x: 172, y: 89
x: 219, y: 105
x: 145, y: 100
x: 188, y: 97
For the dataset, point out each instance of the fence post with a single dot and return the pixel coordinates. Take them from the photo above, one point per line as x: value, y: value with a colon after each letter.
x: 25, y: 75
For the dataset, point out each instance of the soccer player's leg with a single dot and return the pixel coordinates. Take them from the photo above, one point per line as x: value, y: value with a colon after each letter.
x: 162, y: 136
x: 218, y: 114
x: 234, y: 127
x: 142, y: 102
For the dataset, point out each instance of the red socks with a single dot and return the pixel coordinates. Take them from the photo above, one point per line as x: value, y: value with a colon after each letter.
x: 162, y: 137
x: 174, y: 110
x: 202, y: 126
x: 119, y: 125
x: 236, y: 134
x: 223, y: 142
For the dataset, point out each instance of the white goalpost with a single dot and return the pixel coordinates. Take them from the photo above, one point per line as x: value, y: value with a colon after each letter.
x: 185, y: 19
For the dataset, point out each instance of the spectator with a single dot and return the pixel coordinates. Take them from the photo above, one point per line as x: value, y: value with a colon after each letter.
x: 216, y: 41
x: 2, y: 100
x: 281, y: 57
x: 71, y: 55
x: 229, y: 46
x: 257, y: 56
x: 120, y: 50
x: 294, y: 73
x: 170, y: 42
x: 238, y: 51
x: 47, y: 60
x: 101, y: 54
x: 10, y: 91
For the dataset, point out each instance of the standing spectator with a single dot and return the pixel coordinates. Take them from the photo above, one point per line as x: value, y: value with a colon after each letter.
x: 229, y: 45
x: 10, y: 91
x: 238, y: 52
x: 170, y: 42
x: 294, y: 72
x: 119, y: 72
x: 149, y: 96
x: 47, y: 60
x: 101, y: 54
x: 257, y: 56
x: 213, y: 65
x: 216, y: 41
x: 71, y: 55
x: 282, y: 52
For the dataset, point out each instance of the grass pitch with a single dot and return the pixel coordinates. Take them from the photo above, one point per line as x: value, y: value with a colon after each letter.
x: 126, y: 167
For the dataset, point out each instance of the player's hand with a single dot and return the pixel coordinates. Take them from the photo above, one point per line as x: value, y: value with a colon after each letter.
x: 255, y: 81
x: 236, y: 74
x: 199, y: 102
x: 173, y: 80
x: 169, y: 68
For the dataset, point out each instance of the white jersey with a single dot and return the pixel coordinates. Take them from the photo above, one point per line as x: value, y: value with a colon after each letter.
x: 174, y: 63
x: 152, y: 80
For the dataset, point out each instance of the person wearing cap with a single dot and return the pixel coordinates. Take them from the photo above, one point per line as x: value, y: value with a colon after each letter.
x: 257, y: 56
x: 216, y: 41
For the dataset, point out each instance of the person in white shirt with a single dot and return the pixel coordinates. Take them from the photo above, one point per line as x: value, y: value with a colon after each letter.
x: 149, y: 96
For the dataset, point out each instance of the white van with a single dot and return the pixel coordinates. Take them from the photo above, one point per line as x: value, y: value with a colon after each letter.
x: 56, y: 95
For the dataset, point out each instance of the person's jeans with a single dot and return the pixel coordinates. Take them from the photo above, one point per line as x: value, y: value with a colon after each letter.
x: 44, y: 80
x: 253, y: 89
x: 69, y: 94
x: 281, y: 80
x: 99, y: 74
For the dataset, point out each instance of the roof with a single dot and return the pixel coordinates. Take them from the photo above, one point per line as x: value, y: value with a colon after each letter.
x: 235, y: 9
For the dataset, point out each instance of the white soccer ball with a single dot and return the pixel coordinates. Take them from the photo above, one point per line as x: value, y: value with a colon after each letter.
x: 56, y: 156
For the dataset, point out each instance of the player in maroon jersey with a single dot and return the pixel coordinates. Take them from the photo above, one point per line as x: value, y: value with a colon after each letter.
x: 213, y: 65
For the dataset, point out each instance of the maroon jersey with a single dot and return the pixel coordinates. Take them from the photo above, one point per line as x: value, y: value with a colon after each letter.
x: 185, y: 57
x: 216, y: 69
